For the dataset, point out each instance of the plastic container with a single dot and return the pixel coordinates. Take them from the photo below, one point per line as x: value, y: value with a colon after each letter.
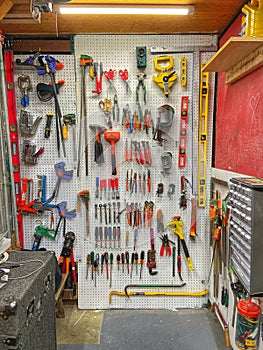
x: 252, y: 19
x: 247, y: 325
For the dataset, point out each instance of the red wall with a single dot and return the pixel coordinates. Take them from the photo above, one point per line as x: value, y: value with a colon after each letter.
x: 239, y: 120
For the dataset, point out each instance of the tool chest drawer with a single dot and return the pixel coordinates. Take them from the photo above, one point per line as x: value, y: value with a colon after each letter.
x: 245, y: 232
x: 27, y: 301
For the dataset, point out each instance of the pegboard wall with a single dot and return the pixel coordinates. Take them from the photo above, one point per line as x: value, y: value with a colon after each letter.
x: 118, y: 52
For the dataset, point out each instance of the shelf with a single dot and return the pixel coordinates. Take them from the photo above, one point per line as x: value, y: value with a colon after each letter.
x: 237, y: 57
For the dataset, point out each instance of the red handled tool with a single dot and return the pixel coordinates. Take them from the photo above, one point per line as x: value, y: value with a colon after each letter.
x: 112, y: 137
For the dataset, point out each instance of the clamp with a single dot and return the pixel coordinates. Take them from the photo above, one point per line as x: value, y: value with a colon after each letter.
x: 26, y: 125
x: 61, y: 173
x: 34, y: 206
x: 63, y: 215
x: 24, y: 84
x: 30, y: 154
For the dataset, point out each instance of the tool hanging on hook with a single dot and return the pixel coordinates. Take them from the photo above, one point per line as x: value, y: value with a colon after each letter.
x: 166, y: 75
x: 112, y: 137
x: 50, y: 65
x: 85, y: 61
x: 98, y: 77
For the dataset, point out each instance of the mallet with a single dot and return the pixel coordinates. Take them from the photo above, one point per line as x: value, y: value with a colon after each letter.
x: 112, y: 137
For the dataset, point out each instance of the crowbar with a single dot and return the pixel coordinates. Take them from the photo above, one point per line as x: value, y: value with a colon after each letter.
x: 155, y: 294
x: 152, y: 286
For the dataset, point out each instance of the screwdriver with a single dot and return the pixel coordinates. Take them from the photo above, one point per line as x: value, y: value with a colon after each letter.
x: 127, y: 258
x: 95, y: 265
x: 132, y: 262
x: 118, y: 258
x: 119, y: 236
x: 136, y: 258
x: 110, y: 236
x: 111, y: 267
x: 114, y: 236
x: 102, y: 262
x: 105, y: 235
x: 141, y: 262
x: 149, y: 186
x: 123, y: 261
x: 100, y: 236
x: 130, y: 158
x: 127, y: 181
x: 92, y: 264
x: 97, y: 187
x: 135, y: 238
x: 106, y: 256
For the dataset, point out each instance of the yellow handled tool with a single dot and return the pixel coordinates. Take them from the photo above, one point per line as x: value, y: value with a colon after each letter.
x: 176, y: 226
x: 166, y: 77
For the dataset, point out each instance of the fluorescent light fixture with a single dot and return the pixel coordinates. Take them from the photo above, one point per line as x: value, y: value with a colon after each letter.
x: 127, y: 10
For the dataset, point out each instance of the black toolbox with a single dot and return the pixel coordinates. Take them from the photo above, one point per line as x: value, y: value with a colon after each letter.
x: 27, y: 301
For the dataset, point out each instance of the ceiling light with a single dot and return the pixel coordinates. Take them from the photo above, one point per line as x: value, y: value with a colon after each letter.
x: 127, y: 10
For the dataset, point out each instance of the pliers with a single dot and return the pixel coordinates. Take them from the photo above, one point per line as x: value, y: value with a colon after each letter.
x: 165, y: 245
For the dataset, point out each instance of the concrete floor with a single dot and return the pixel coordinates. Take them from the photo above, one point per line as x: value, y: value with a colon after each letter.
x: 139, y: 329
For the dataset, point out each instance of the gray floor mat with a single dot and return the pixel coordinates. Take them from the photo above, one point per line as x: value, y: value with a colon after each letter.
x: 156, y: 330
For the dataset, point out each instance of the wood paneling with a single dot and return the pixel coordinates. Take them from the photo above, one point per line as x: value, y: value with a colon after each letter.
x: 5, y: 7
x: 210, y: 17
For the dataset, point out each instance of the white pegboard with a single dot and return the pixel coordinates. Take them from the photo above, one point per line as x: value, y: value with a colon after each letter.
x: 46, y: 162
x: 119, y: 52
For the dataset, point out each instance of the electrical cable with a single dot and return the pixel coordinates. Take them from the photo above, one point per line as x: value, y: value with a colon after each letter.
x: 25, y: 262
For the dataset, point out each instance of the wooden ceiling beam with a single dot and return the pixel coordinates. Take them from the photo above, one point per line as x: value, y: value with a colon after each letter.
x: 5, y: 7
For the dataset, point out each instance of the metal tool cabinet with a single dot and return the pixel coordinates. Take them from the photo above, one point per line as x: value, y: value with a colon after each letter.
x: 246, y: 240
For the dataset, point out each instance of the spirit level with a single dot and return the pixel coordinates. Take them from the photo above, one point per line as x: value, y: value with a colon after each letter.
x: 13, y: 131
x: 202, y: 138
x: 183, y: 132
x: 183, y: 71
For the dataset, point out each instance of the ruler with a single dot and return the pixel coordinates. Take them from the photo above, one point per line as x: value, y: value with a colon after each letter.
x: 202, y: 138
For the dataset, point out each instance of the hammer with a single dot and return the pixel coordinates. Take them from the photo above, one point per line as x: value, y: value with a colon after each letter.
x: 98, y: 129
x: 112, y: 137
